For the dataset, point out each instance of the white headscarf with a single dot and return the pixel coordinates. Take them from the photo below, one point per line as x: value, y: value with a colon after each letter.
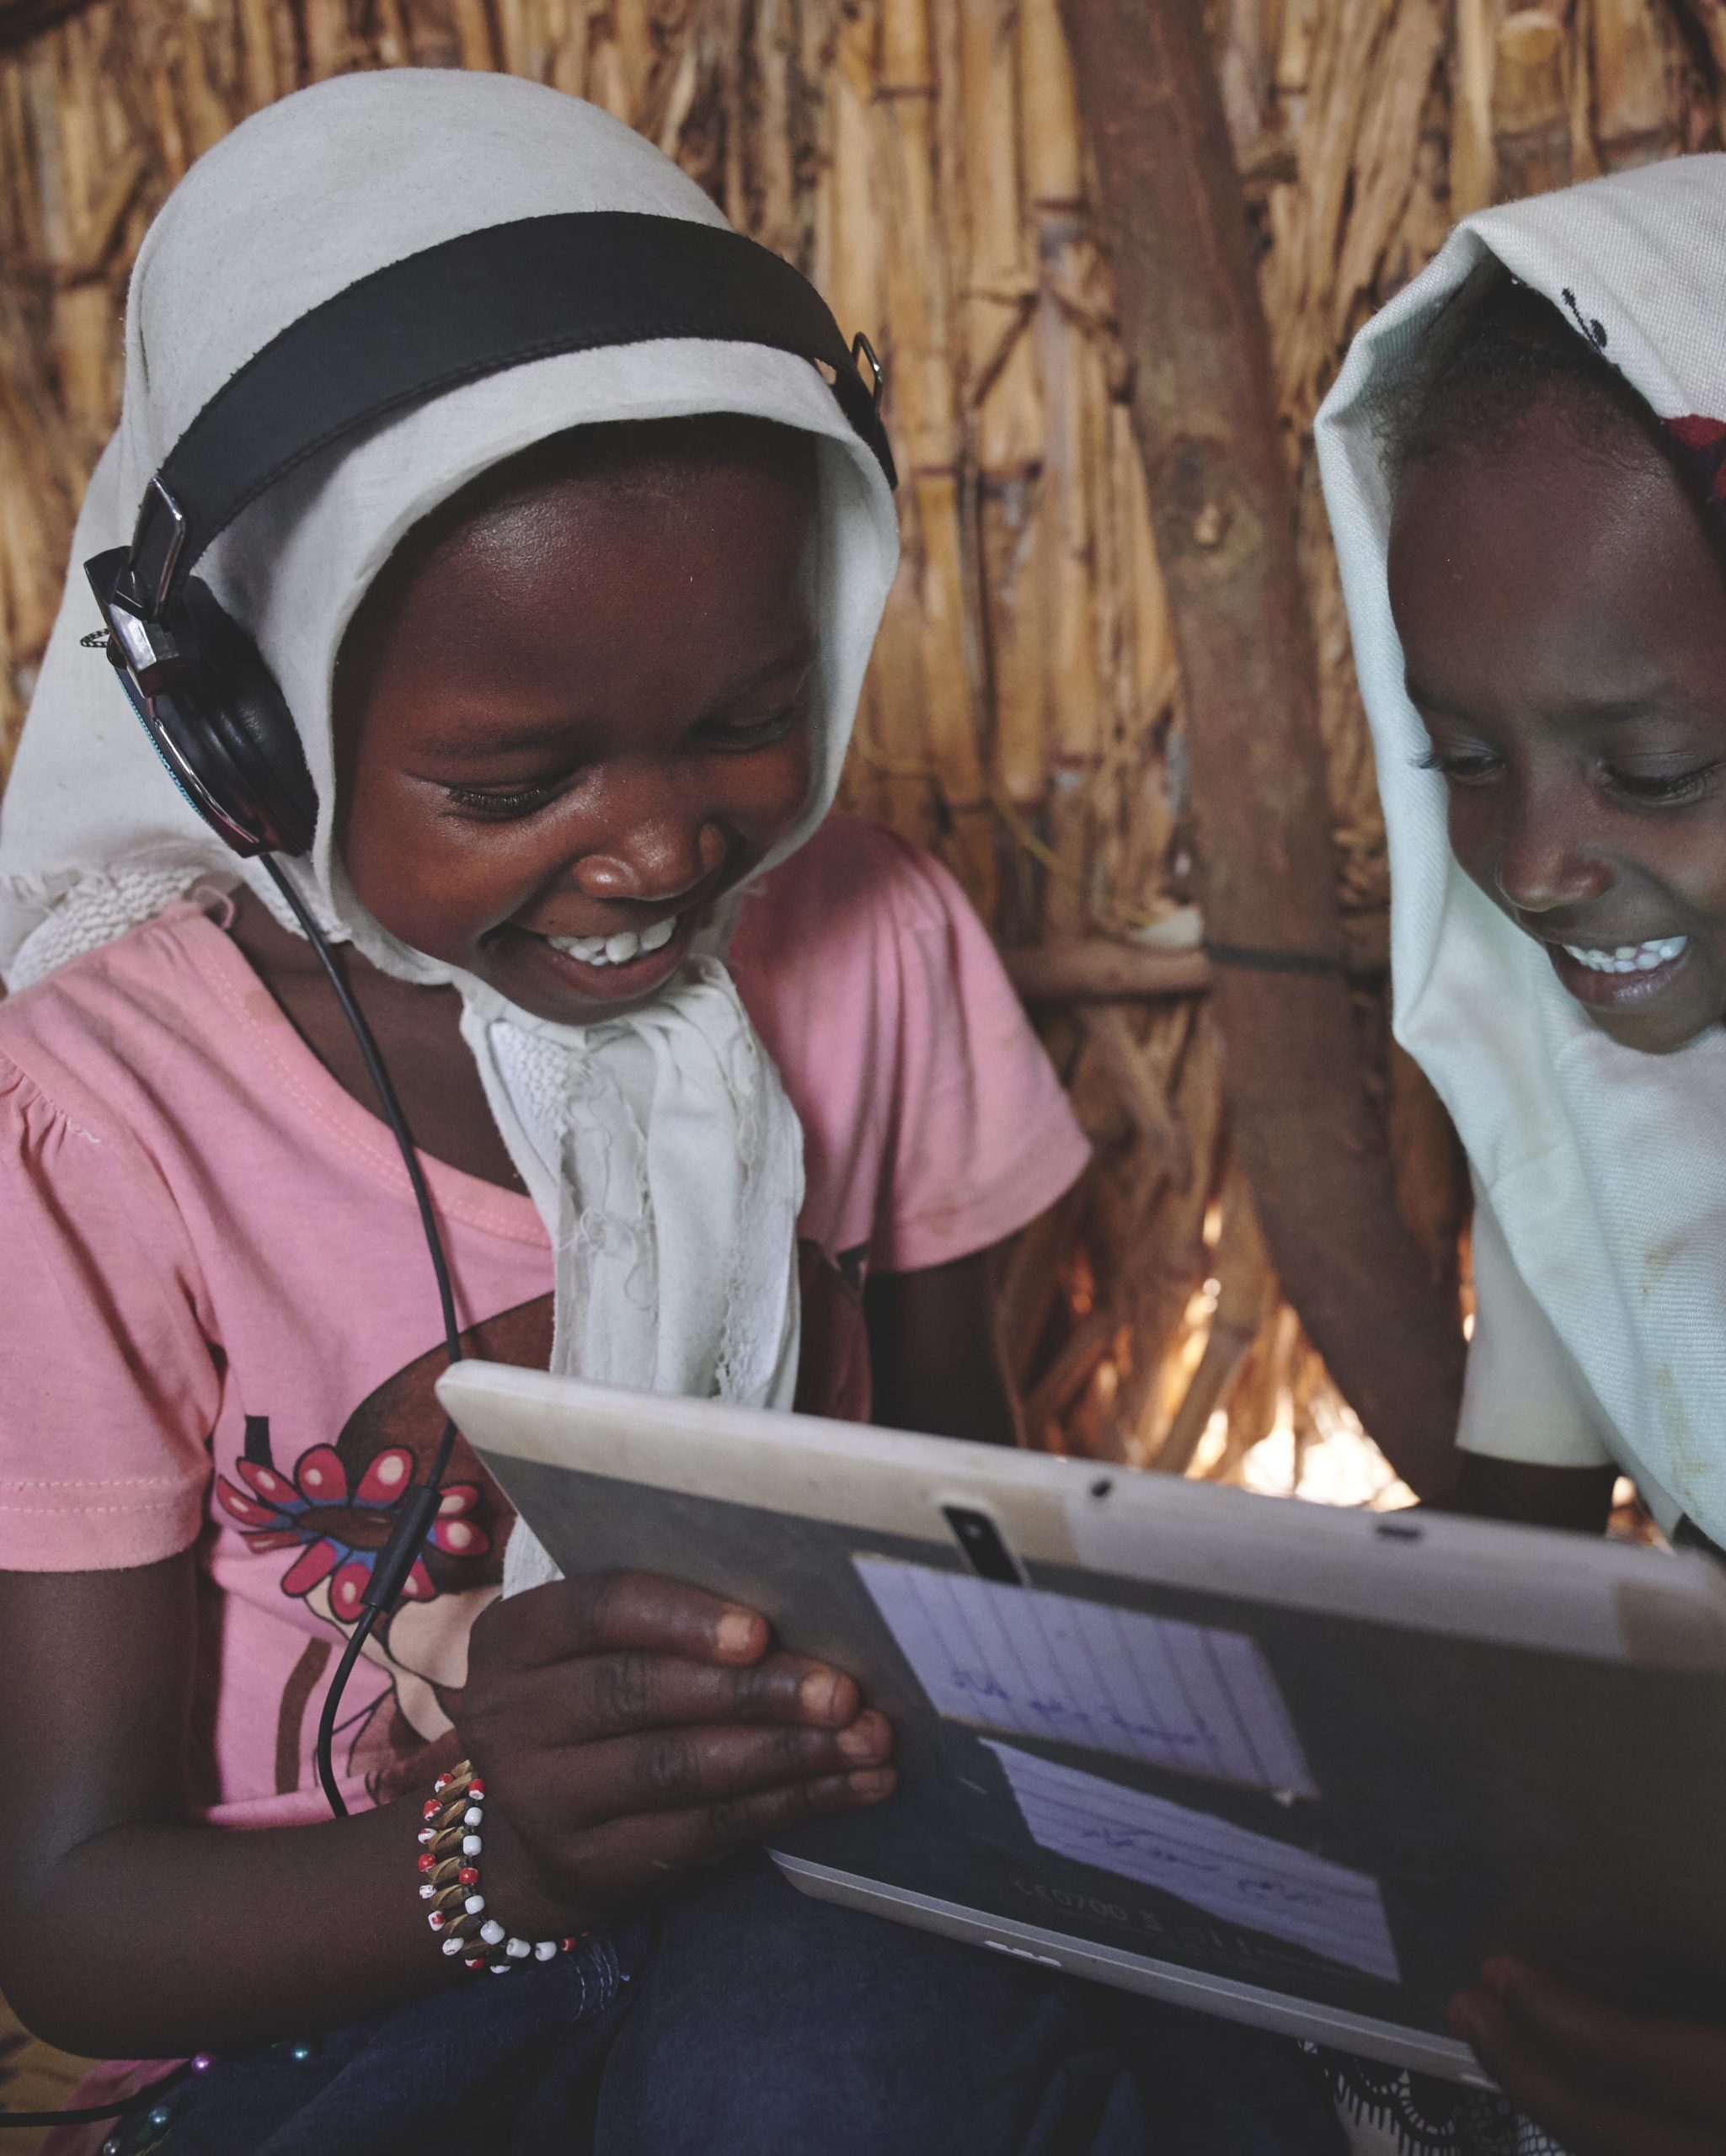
x: 1600, y: 1172
x: 659, y: 1148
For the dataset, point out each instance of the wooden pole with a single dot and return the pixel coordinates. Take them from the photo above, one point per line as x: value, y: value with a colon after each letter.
x: 1222, y: 505
x: 1474, y: 164
x: 1094, y: 969
x: 1102, y: 969
x: 1633, y: 97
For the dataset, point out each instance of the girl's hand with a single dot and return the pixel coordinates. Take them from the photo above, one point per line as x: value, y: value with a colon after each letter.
x: 628, y: 1728
x: 1606, y: 2082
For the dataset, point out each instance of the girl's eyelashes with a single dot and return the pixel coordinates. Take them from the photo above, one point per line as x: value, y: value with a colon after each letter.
x: 732, y: 736
x: 728, y: 737
x: 1671, y: 790
x: 1476, y: 767
x: 1463, y: 766
x: 500, y: 804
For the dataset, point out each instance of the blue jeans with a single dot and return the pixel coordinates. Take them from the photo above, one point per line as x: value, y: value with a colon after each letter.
x: 758, y: 2023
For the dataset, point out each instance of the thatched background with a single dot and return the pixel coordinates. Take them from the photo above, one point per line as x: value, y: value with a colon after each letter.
x: 921, y: 159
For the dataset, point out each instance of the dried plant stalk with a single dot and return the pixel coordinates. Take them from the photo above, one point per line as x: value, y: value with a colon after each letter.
x: 1709, y: 17
x: 1636, y: 120
x: 1530, y: 111
x: 1246, y: 1299
x: 1474, y: 165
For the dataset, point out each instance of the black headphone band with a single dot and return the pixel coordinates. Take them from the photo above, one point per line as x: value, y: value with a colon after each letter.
x: 471, y: 306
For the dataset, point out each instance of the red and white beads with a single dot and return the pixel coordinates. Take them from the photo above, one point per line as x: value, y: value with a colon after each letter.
x: 451, y: 1843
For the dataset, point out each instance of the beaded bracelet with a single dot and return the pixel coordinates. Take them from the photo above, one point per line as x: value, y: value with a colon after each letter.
x: 449, y: 1864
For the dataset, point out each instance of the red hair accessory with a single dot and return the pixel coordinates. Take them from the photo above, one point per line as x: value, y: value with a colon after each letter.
x: 1702, y: 448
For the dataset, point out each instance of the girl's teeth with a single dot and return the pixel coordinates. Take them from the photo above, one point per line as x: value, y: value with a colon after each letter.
x: 1630, y: 957
x: 619, y: 949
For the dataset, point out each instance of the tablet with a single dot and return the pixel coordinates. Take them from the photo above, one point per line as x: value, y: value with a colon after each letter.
x: 1294, y: 1765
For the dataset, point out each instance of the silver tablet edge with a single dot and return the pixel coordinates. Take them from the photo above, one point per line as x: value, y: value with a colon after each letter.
x: 1335, y: 2027
x: 1564, y: 1593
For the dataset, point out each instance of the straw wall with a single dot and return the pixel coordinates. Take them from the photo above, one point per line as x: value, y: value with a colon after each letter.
x: 921, y: 159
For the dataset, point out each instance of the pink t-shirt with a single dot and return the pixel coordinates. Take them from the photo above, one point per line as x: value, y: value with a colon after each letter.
x: 220, y: 1325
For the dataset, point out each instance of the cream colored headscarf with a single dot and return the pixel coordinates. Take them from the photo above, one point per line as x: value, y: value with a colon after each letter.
x: 660, y: 1149
x: 1600, y: 1242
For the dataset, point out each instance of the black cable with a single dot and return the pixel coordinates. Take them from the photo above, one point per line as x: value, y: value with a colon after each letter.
x: 89, y: 2113
x: 332, y: 1701
x: 386, y: 1090
x: 84, y: 2117
x: 395, y: 1560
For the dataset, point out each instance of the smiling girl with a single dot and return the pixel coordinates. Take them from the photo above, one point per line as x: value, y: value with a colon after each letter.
x: 1523, y: 462
x: 715, y: 1095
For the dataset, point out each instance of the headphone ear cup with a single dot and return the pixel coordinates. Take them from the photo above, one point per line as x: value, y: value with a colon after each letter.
x: 228, y: 695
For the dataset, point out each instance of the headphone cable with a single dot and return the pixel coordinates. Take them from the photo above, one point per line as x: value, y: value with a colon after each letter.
x: 88, y: 2114
x: 419, y: 1504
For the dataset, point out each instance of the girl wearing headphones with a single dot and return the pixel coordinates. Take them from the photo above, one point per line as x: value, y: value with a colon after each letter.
x: 715, y: 1095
